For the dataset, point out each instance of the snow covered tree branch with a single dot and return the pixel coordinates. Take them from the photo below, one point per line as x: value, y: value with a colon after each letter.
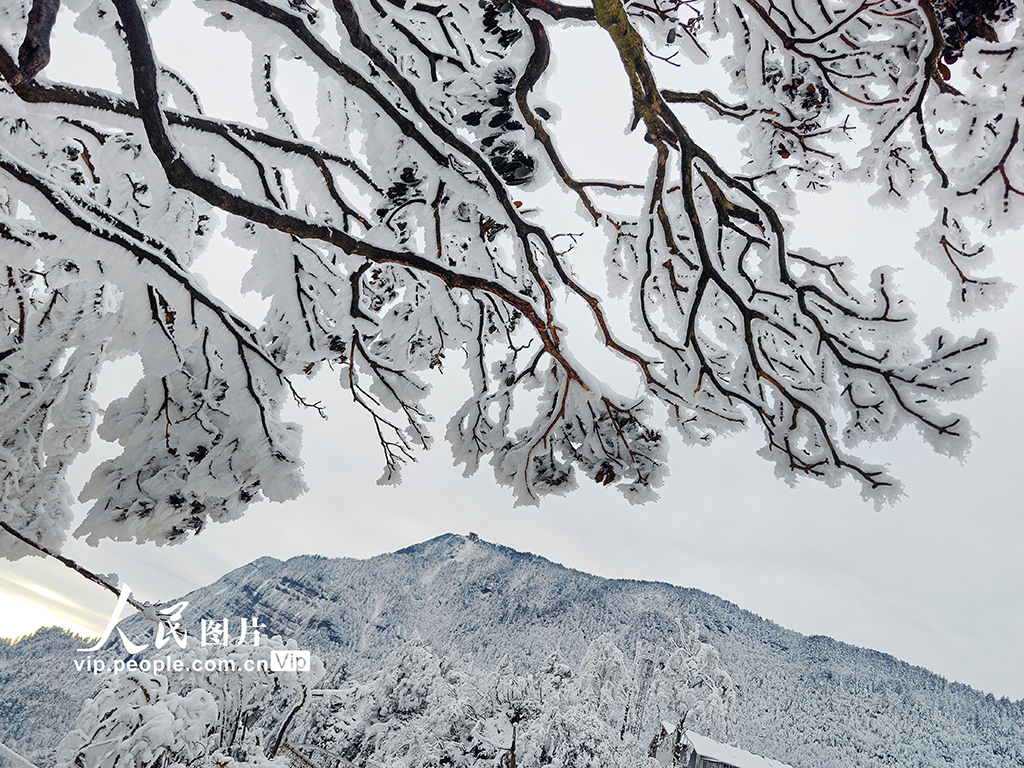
x: 397, y: 233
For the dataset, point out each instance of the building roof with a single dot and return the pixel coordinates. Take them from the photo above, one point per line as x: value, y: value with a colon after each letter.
x: 734, y: 756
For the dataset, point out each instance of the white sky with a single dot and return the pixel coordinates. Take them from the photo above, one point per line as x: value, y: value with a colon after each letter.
x: 937, y: 579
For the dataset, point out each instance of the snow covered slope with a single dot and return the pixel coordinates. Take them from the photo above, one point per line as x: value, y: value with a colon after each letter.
x: 811, y: 702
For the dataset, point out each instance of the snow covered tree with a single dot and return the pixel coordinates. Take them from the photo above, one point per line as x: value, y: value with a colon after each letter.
x: 393, y: 232
x: 137, y: 720
x: 690, y: 692
x: 227, y: 714
x: 412, y: 709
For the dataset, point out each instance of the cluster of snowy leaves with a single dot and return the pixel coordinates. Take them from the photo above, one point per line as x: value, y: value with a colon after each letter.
x: 392, y: 236
x: 418, y: 708
x: 83, y: 286
x: 219, y: 716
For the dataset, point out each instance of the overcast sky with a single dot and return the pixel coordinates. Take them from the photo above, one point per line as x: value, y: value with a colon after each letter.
x: 937, y: 579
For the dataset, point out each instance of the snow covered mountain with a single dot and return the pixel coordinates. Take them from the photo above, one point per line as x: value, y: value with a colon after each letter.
x: 811, y: 702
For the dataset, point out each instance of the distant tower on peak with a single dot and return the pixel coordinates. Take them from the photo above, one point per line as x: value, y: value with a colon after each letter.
x: 473, y: 537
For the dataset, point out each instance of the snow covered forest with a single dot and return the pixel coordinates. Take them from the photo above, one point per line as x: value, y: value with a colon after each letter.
x: 433, y: 653
x: 412, y: 709
x: 415, y: 222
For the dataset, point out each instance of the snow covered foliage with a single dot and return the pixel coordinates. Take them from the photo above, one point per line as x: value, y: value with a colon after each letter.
x: 217, y: 715
x: 135, y: 720
x: 391, y: 234
x: 418, y: 709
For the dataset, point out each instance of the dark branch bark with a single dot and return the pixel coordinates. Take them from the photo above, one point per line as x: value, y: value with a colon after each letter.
x: 34, y: 53
x: 559, y: 11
